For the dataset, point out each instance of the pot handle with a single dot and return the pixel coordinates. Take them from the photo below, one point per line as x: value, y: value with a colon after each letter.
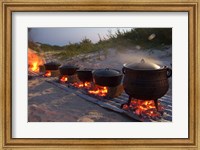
x: 123, y: 70
x: 169, y: 72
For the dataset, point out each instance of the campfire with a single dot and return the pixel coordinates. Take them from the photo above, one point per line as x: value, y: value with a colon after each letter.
x: 34, y: 61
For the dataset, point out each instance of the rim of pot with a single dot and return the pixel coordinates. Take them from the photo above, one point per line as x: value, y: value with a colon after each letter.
x: 52, y: 63
x: 68, y: 67
x: 142, y: 69
x: 85, y: 70
x: 100, y: 74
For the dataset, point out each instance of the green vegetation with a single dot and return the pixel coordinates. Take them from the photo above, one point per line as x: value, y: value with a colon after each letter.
x: 140, y: 36
x: 33, y: 46
x: 49, y: 48
x: 73, y: 49
x: 146, y: 38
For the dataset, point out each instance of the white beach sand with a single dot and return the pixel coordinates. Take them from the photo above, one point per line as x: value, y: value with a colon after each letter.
x: 49, y: 103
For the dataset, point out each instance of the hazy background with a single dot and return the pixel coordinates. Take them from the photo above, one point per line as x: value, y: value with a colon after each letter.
x: 63, y: 36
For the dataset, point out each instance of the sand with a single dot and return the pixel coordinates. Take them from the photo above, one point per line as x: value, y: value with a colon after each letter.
x: 48, y: 103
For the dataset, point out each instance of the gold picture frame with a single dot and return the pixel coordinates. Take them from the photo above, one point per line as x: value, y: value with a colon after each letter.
x: 9, y: 6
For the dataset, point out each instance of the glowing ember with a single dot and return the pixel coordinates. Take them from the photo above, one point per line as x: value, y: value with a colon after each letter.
x: 34, y: 61
x: 125, y: 107
x: 144, y: 108
x: 63, y: 79
x: 81, y: 85
x: 47, y: 73
x: 99, y: 90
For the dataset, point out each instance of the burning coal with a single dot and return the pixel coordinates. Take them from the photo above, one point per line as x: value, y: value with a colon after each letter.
x: 63, y: 79
x: 86, y: 85
x: 47, y: 73
x: 34, y: 60
x: 144, y: 108
x: 99, y: 90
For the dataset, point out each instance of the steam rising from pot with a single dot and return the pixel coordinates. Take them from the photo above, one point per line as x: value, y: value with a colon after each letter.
x: 135, y: 57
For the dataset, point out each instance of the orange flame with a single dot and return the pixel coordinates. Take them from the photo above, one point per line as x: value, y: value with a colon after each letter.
x: 81, y: 84
x: 34, y: 61
x: 100, y: 91
x: 47, y: 73
x: 63, y: 79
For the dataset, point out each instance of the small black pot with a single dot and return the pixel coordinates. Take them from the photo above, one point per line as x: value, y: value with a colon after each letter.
x: 85, y: 75
x: 52, y: 66
x: 107, y: 77
x: 68, y: 70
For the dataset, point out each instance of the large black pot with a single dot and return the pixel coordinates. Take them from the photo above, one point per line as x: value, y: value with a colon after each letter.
x: 146, y: 81
x: 107, y: 77
x: 52, y: 66
x: 68, y: 70
x: 85, y: 75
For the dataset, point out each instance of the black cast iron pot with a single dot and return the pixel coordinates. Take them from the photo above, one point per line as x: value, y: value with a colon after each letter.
x: 146, y: 81
x: 68, y: 70
x: 52, y: 66
x: 107, y: 77
x: 85, y: 75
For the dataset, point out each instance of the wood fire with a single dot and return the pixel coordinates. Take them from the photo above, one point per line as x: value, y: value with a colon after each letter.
x: 34, y: 60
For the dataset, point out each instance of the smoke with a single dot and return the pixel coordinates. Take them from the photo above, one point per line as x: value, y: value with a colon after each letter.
x: 135, y: 56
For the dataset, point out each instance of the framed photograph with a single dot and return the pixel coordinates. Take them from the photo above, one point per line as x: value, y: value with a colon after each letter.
x: 107, y: 75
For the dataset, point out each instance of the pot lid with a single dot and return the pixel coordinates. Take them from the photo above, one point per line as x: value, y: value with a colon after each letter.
x: 107, y: 72
x: 143, y: 65
x: 53, y: 63
x: 85, y: 69
x: 69, y: 66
